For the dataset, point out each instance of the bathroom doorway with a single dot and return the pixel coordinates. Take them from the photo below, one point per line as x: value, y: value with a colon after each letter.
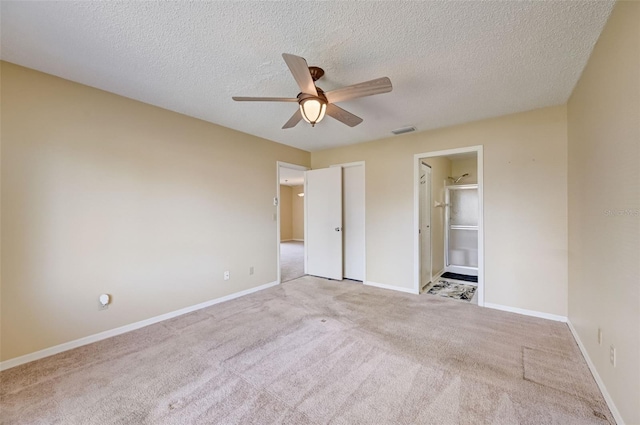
x: 448, y: 242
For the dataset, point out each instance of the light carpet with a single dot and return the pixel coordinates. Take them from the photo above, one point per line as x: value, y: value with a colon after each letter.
x: 291, y: 260
x: 312, y: 351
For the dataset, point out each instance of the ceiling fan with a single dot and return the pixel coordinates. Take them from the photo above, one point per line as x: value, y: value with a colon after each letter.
x: 314, y: 102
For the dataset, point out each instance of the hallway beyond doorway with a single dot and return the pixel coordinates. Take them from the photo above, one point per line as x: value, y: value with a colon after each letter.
x: 291, y: 260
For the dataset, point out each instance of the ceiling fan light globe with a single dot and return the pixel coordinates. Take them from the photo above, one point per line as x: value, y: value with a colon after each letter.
x: 313, y: 110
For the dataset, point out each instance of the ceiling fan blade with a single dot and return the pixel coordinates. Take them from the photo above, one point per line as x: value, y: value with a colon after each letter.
x: 368, y: 88
x: 300, y: 70
x: 294, y: 120
x: 264, y: 99
x: 343, y: 116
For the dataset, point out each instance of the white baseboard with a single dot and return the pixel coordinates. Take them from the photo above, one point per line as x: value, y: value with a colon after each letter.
x: 532, y: 313
x: 393, y: 288
x: 596, y: 376
x: 8, y: 364
x: 298, y: 240
x: 286, y: 240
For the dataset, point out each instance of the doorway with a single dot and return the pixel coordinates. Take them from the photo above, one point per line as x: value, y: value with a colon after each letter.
x: 290, y: 221
x: 449, y: 234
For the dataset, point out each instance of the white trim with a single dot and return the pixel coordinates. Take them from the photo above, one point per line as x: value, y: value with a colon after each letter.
x: 391, y: 287
x: 480, y: 162
x: 304, y: 228
x: 8, y: 364
x: 364, y: 213
x: 416, y: 213
x: 297, y: 240
x: 286, y: 240
x: 416, y: 223
x: 596, y: 376
x: 294, y: 167
x: 522, y: 311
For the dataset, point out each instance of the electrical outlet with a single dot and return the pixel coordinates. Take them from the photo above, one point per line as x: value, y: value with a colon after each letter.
x: 612, y: 356
x: 103, y: 301
x: 227, y: 275
x: 599, y: 336
x: 251, y: 270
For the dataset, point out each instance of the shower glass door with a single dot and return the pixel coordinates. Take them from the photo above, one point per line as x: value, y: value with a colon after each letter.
x: 462, y: 229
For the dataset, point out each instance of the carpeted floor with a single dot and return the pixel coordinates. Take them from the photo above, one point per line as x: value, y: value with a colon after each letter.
x: 312, y: 351
x: 291, y: 260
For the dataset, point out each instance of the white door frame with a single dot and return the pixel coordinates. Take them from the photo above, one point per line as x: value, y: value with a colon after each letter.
x: 478, y: 149
x: 364, y: 248
x: 294, y: 167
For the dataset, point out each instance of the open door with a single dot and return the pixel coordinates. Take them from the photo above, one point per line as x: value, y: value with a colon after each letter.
x: 353, y: 221
x: 323, y: 207
x: 425, y: 225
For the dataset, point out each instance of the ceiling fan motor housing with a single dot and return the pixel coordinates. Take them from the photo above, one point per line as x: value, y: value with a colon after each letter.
x: 321, y: 96
x: 316, y: 72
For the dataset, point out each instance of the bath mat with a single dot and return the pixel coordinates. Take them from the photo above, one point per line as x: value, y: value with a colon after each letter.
x: 458, y: 276
x: 458, y: 291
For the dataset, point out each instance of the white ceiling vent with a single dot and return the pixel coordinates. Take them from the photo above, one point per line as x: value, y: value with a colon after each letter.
x: 403, y: 130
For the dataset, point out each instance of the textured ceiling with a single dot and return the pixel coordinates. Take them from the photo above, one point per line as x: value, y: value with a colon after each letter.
x: 449, y: 62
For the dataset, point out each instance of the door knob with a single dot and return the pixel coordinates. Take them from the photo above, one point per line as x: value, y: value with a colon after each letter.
x: 337, y: 229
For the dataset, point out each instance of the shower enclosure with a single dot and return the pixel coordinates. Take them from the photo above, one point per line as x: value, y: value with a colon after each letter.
x: 461, y: 235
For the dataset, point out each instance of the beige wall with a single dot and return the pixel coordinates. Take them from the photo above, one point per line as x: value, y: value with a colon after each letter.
x: 465, y: 166
x: 604, y: 207
x: 105, y: 194
x: 525, y: 196
x: 286, y: 224
x: 440, y: 170
x: 297, y: 212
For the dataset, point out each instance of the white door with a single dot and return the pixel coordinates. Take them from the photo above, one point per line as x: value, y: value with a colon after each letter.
x: 425, y: 225
x: 353, y: 220
x: 323, y: 208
